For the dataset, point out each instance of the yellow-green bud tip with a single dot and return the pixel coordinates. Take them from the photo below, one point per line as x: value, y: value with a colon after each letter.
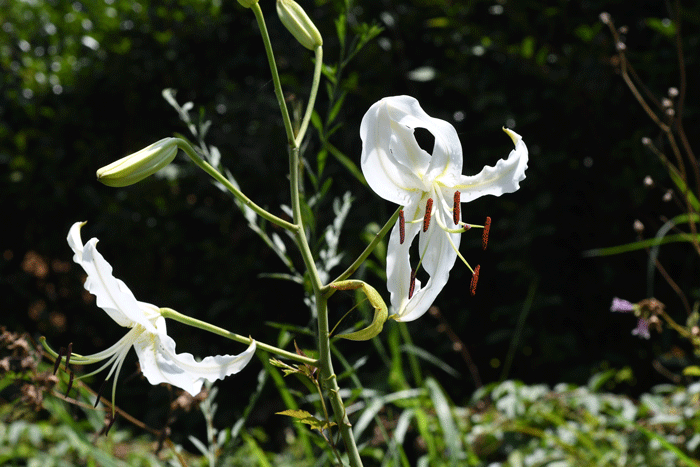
x: 299, y: 24
x: 139, y: 165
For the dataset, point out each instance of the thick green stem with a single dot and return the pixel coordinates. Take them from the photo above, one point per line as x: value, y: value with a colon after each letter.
x: 188, y: 320
x: 204, y: 165
x: 325, y: 364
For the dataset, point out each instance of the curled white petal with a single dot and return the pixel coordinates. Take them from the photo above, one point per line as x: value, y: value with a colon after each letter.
x: 112, y: 295
x: 505, y: 177
x: 161, y: 364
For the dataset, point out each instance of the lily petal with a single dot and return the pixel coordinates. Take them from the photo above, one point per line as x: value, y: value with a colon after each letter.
x: 160, y: 364
x: 386, y: 160
x: 505, y: 177
x: 112, y: 295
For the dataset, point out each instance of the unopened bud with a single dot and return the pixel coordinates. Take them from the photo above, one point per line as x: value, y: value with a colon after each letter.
x: 666, y: 102
x: 638, y: 226
x: 605, y: 17
x: 139, y: 165
x: 672, y: 92
x: 648, y: 181
x: 620, y: 46
x: 668, y: 196
x: 299, y: 24
x: 247, y: 3
x: 646, y: 141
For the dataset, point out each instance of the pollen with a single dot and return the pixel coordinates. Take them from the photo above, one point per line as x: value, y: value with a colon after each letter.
x: 412, y: 287
x: 456, y: 208
x: 428, y: 212
x: 475, y: 279
x: 402, y: 227
x: 485, y: 235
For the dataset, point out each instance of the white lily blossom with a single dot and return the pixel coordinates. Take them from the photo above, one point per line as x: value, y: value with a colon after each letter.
x: 431, y: 188
x: 147, y: 334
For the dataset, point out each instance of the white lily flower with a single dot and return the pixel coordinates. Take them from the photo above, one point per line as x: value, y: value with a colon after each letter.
x: 148, y: 335
x: 431, y: 189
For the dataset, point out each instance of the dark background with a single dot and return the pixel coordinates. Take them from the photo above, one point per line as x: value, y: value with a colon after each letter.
x: 69, y: 106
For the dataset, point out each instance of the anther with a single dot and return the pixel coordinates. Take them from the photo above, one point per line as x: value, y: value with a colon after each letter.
x: 111, y: 422
x: 402, y: 227
x: 428, y: 212
x: 69, y: 352
x: 412, y: 287
x: 456, y: 208
x: 475, y: 279
x: 57, y: 363
x: 70, y: 383
x: 99, y: 393
x: 485, y: 235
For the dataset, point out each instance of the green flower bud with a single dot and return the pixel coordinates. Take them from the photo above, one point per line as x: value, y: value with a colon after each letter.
x: 299, y: 24
x: 139, y: 165
x: 247, y: 3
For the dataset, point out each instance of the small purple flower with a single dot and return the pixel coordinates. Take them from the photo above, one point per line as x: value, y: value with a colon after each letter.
x: 642, y: 329
x: 621, y: 305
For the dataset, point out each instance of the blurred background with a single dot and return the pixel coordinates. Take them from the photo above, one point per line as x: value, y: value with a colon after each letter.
x: 81, y: 86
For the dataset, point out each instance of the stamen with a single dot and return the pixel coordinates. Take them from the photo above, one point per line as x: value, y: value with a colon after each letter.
x: 485, y: 235
x: 402, y: 227
x: 456, y: 208
x: 111, y: 422
x: 69, y: 352
x: 475, y: 279
x: 412, y: 287
x: 70, y: 383
x: 428, y: 212
x: 57, y: 363
x: 99, y: 393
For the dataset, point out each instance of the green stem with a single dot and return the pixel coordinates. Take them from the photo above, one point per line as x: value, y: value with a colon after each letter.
x: 327, y: 290
x: 273, y: 69
x: 188, y: 320
x: 204, y: 165
x: 312, y: 96
x: 325, y: 364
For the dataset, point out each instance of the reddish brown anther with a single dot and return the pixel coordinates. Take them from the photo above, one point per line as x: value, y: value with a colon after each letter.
x: 57, y: 363
x: 99, y: 393
x: 428, y: 212
x: 69, y: 351
x: 402, y: 227
x: 412, y: 287
x: 485, y: 235
x: 475, y: 279
x: 70, y: 383
x: 112, y: 418
x: 456, y: 208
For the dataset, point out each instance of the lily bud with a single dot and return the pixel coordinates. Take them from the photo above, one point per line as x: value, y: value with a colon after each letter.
x: 139, y: 165
x: 299, y: 24
x: 247, y: 3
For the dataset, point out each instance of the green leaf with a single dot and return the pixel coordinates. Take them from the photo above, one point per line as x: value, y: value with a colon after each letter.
x: 640, y: 245
x: 305, y: 417
x: 664, y: 26
x: 347, y: 163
